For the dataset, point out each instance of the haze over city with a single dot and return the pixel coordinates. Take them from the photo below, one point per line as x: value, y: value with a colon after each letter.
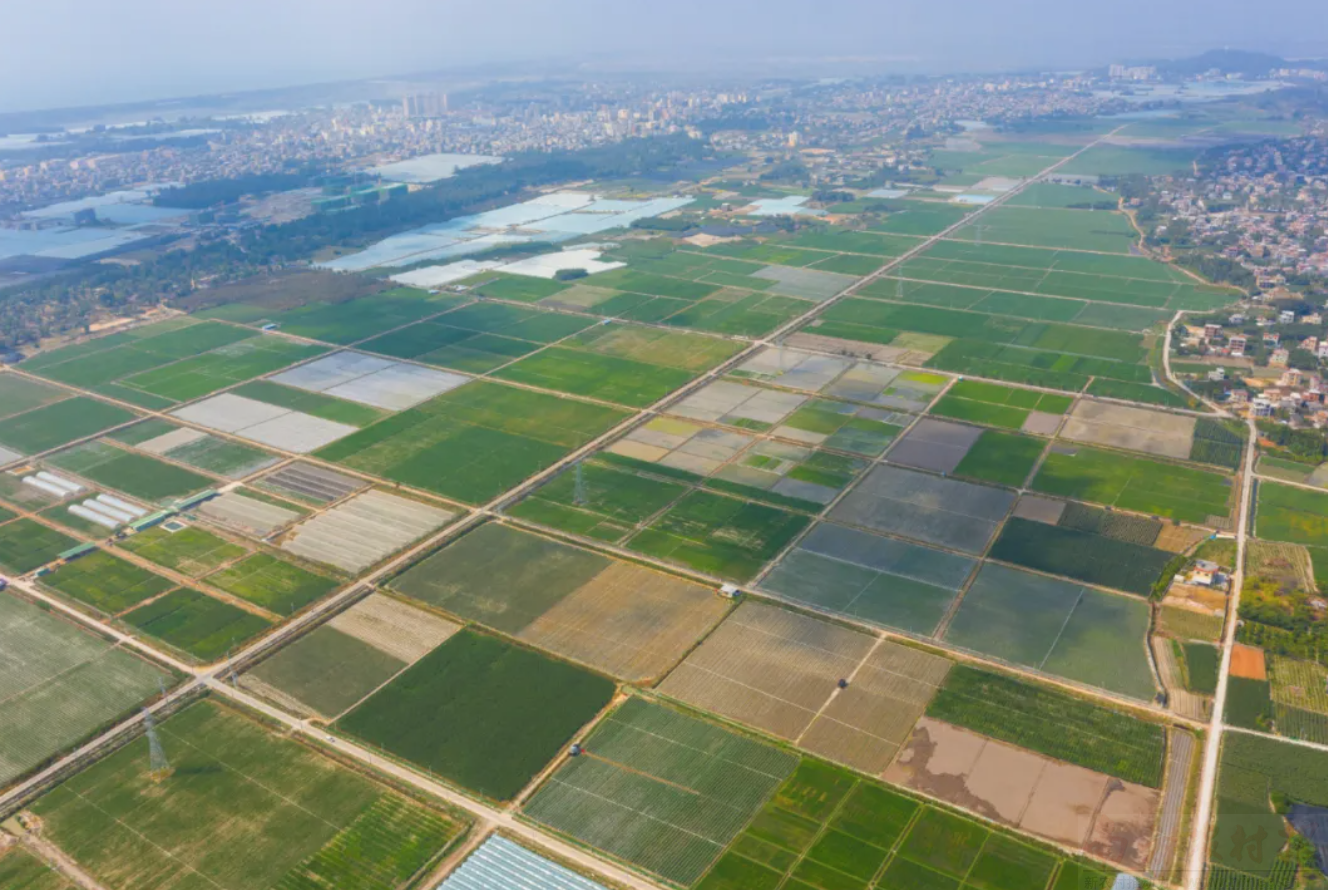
x: 75, y: 52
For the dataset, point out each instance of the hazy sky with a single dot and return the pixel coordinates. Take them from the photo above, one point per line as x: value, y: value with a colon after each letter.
x: 78, y: 52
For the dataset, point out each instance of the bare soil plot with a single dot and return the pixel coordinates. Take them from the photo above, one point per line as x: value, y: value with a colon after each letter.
x: 1133, y: 429
x: 1179, y: 538
x: 310, y: 483
x: 935, y: 445
x: 683, y: 446
x: 940, y: 511
x: 864, y: 725
x: 628, y: 621
x: 246, y: 515
x: 769, y: 668
x: 738, y: 404
x: 1039, y: 509
x: 1042, y: 423
x: 1069, y: 804
x: 364, y: 530
x: 396, y: 628
x: 1248, y: 662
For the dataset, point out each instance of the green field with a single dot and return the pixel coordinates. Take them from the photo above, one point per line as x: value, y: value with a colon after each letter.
x: 995, y: 405
x: 61, y: 683
x: 353, y: 320
x: 327, y: 671
x: 474, y: 442
x: 275, y: 584
x: 605, y: 378
x: 106, y: 582
x: 1114, y: 160
x: 1293, y: 515
x: 192, y: 551
x: 1057, y: 627
x: 1201, y: 667
x: 612, y: 501
x: 1136, y: 483
x: 20, y: 870
x: 119, y: 355
x: 59, y: 423
x: 137, y: 475
x: 921, y: 218
x: 485, y: 714
x: 315, y: 403
x: 1102, y: 231
x: 1051, y: 194
x: 233, y: 363
x: 199, y: 625
x: 1081, y: 555
x: 520, y: 288
x: 241, y: 808
x: 19, y: 394
x: 26, y: 545
x: 1136, y: 392
x: 1002, y: 458
x: 724, y: 536
x: 661, y: 790
x: 1054, y: 723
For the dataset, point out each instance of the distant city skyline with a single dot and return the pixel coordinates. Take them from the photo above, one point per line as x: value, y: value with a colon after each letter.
x: 60, y: 53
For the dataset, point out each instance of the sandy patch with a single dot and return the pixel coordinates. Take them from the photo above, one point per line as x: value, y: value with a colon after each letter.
x: 1123, y: 831
x: 1248, y: 662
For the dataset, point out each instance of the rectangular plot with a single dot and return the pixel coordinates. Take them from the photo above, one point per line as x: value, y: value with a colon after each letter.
x: 864, y: 725
x: 934, y: 445
x: 1134, y: 429
x: 312, y: 483
x: 884, y: 581
x: 19, y: 394
x: 59, y: 423
x: 246, y: 515
x: 197, y: 624
x: 769, y: 668
x: 60, y: 683
x: 935, y: 510
x: 26, y: 545
x: 134, y: 474
x: 364, y: 530
x: 661, y: 790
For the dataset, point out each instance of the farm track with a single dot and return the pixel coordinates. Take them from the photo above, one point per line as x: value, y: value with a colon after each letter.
x: 1180, y: 759
x: 211, y: 678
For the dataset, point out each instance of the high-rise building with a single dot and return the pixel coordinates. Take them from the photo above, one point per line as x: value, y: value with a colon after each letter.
x: 423, y: 105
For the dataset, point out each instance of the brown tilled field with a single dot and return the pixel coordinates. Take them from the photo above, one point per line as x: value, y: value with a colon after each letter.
x: 1248, y: 662
x: 628, y: 621
x: 768, y: 668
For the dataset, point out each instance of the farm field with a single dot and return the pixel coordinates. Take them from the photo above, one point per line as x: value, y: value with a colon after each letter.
x: 59, y: 423
x: 314, y: 404
x: 193, y: 551
x: 241, y: 808
x: 475, y: 442
x: 1293, y: 515
x: 137, y: 475
x: 721, y: 535
x: 106, y: 582
x: 628, y: 621
x: 196, y: 624
x: 478, y: 338
x: 21, y: 870
x: 1054, y: 723
x: 19, y: 394
x: 945, y: 512
x: 952, y: 448
x: 273, y: 584
x: 1255, y: 770
x: 26, y: 545
x: 825, y: 827
x: 624, y: 364
x: 1081, y: 554
x: 1102, y: 231
x: 1001, y: 458
x: 353, y: 320
x: 661, y: 790
x: 61, y: 684
x: 1002, y: 406
x: 890, y: 583
x: 194, y: 448
x: 326, y: 672
x: 833, y: 377
x: 170, y: 362
x: 1058, y: 628
x: 480, y: 712
x: 1140, y: 484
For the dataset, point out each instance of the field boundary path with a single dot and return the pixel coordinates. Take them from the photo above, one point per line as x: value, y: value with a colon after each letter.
x: 1180, y: 760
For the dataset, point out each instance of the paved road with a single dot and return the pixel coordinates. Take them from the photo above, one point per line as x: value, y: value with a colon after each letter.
x: 1194, y: 873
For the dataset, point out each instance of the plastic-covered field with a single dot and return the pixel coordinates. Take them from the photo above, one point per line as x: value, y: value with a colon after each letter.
x: 947, y: 512
x: 370, y: 380
x: 884, y: 581
x: 364, y: 530
x: 264, y: 423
